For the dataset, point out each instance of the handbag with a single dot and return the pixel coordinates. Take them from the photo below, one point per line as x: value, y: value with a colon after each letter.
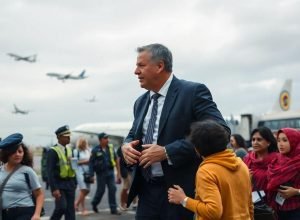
x: 261, y: 210
x: 87, y: 178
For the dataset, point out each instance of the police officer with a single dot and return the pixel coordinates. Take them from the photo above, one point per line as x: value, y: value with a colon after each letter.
x: 61, y: 176
x: 103, y: 160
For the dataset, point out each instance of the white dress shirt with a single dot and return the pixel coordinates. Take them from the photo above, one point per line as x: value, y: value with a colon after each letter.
x: 156, y: 168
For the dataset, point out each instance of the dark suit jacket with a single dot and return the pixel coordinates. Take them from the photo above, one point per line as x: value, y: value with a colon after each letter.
x: 185, y: 103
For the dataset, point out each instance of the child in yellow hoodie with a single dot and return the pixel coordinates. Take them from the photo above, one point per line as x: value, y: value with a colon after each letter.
x: 223, y: 186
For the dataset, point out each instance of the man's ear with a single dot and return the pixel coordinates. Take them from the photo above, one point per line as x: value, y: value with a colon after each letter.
x: 160, y: 65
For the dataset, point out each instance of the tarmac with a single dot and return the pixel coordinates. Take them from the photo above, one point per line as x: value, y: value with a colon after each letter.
x: 103, y: 207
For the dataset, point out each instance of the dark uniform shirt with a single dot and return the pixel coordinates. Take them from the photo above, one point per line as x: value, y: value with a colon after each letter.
x: 100, y: 160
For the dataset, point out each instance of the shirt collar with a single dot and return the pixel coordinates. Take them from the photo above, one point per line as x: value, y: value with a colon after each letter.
x: 58, y: 144
x: 164, y: 89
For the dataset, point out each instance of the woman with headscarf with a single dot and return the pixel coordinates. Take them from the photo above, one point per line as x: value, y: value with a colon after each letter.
x: 264, y: 151
x: 284, y: 175
x: 17, y: 201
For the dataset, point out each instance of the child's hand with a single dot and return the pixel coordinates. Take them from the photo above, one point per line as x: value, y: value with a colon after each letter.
x: 176, y: 195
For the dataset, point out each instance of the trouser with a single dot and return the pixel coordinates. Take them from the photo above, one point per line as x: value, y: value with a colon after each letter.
x: 106, y: 178
x: 18, y: 213
x: 64, y: 205
x: 153, y: 203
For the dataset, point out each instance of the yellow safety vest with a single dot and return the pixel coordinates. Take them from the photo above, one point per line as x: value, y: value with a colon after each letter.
x: 112, y: 154
x: 66, y: 170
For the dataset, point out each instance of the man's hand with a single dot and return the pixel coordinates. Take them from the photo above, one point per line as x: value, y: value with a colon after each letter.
x: 56, y: 194
x: 288, y: 191
x: 176, y: 195
x: 118, y: 179
x: 152, y: 153
x: 131, y: 155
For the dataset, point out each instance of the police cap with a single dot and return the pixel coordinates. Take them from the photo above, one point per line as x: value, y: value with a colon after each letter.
x: 102, y: 135
x: 63, y: 131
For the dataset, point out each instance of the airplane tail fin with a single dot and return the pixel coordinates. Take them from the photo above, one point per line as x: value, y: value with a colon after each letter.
x: 34, y: 58
x: 81, y: 75
x: 283, y: 103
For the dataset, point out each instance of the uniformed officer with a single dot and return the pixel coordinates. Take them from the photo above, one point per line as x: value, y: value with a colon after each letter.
x: 61, y: 176
x: 103, y: 160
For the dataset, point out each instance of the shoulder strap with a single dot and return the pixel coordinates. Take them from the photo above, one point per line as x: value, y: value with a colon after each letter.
x: 255, y: 188
x: 27, y: 180
x: 7, y: 178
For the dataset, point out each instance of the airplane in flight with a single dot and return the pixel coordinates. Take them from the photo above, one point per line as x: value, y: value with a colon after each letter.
x: 64, y: 77
x: 93, y: 99
x: 19, y: 111
x: 30, y: 59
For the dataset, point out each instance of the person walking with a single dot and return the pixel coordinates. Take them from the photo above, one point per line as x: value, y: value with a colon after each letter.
x: 156, y: 146
x: 82, y: 154
x: 61, y: 176
x: 103, y: 162
x: 18, y: 181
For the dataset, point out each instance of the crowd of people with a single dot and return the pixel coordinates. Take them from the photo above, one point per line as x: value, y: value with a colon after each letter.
x: 178, y: 162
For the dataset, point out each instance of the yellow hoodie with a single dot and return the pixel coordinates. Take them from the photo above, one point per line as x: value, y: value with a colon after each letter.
x: 223, y: 189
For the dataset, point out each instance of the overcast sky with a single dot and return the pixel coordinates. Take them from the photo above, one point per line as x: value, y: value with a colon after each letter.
x: 242, y: 50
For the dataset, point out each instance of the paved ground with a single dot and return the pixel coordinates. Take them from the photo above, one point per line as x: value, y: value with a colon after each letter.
x: 104, y: 211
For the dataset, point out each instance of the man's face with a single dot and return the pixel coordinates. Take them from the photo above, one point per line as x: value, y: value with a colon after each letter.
x: 64, y: 140
x: 147, y: 71
x: 103, y: 141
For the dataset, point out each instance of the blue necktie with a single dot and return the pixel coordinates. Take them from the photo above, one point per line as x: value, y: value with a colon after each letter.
x: 150, y: 131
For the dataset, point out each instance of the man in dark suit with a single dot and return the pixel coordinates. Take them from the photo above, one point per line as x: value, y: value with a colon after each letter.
x: 156, y: 146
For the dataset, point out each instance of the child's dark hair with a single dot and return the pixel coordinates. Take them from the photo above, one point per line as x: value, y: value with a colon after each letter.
x: 208, y: 137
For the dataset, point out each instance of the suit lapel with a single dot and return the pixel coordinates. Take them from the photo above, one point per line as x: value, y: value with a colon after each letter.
x: 142, y: 113
x: 169, y: 102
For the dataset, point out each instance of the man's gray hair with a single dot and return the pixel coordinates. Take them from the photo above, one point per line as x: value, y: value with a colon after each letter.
x: 159, y: 52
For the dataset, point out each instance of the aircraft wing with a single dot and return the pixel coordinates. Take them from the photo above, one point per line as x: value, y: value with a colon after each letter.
x: 54, y: 74
x: 67, y: 76
x: 14, y: 55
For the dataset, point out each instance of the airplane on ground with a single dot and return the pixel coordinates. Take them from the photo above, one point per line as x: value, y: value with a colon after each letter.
x: 93, y: 99
x: 19, y: 111
x: 64, y: 77
x: 281, y: 116
x: 116, y: 131
x: 30, y: 59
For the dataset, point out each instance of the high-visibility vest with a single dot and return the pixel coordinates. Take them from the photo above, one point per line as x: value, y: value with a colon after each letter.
x: 112, y: 154
x: 65, y: 169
